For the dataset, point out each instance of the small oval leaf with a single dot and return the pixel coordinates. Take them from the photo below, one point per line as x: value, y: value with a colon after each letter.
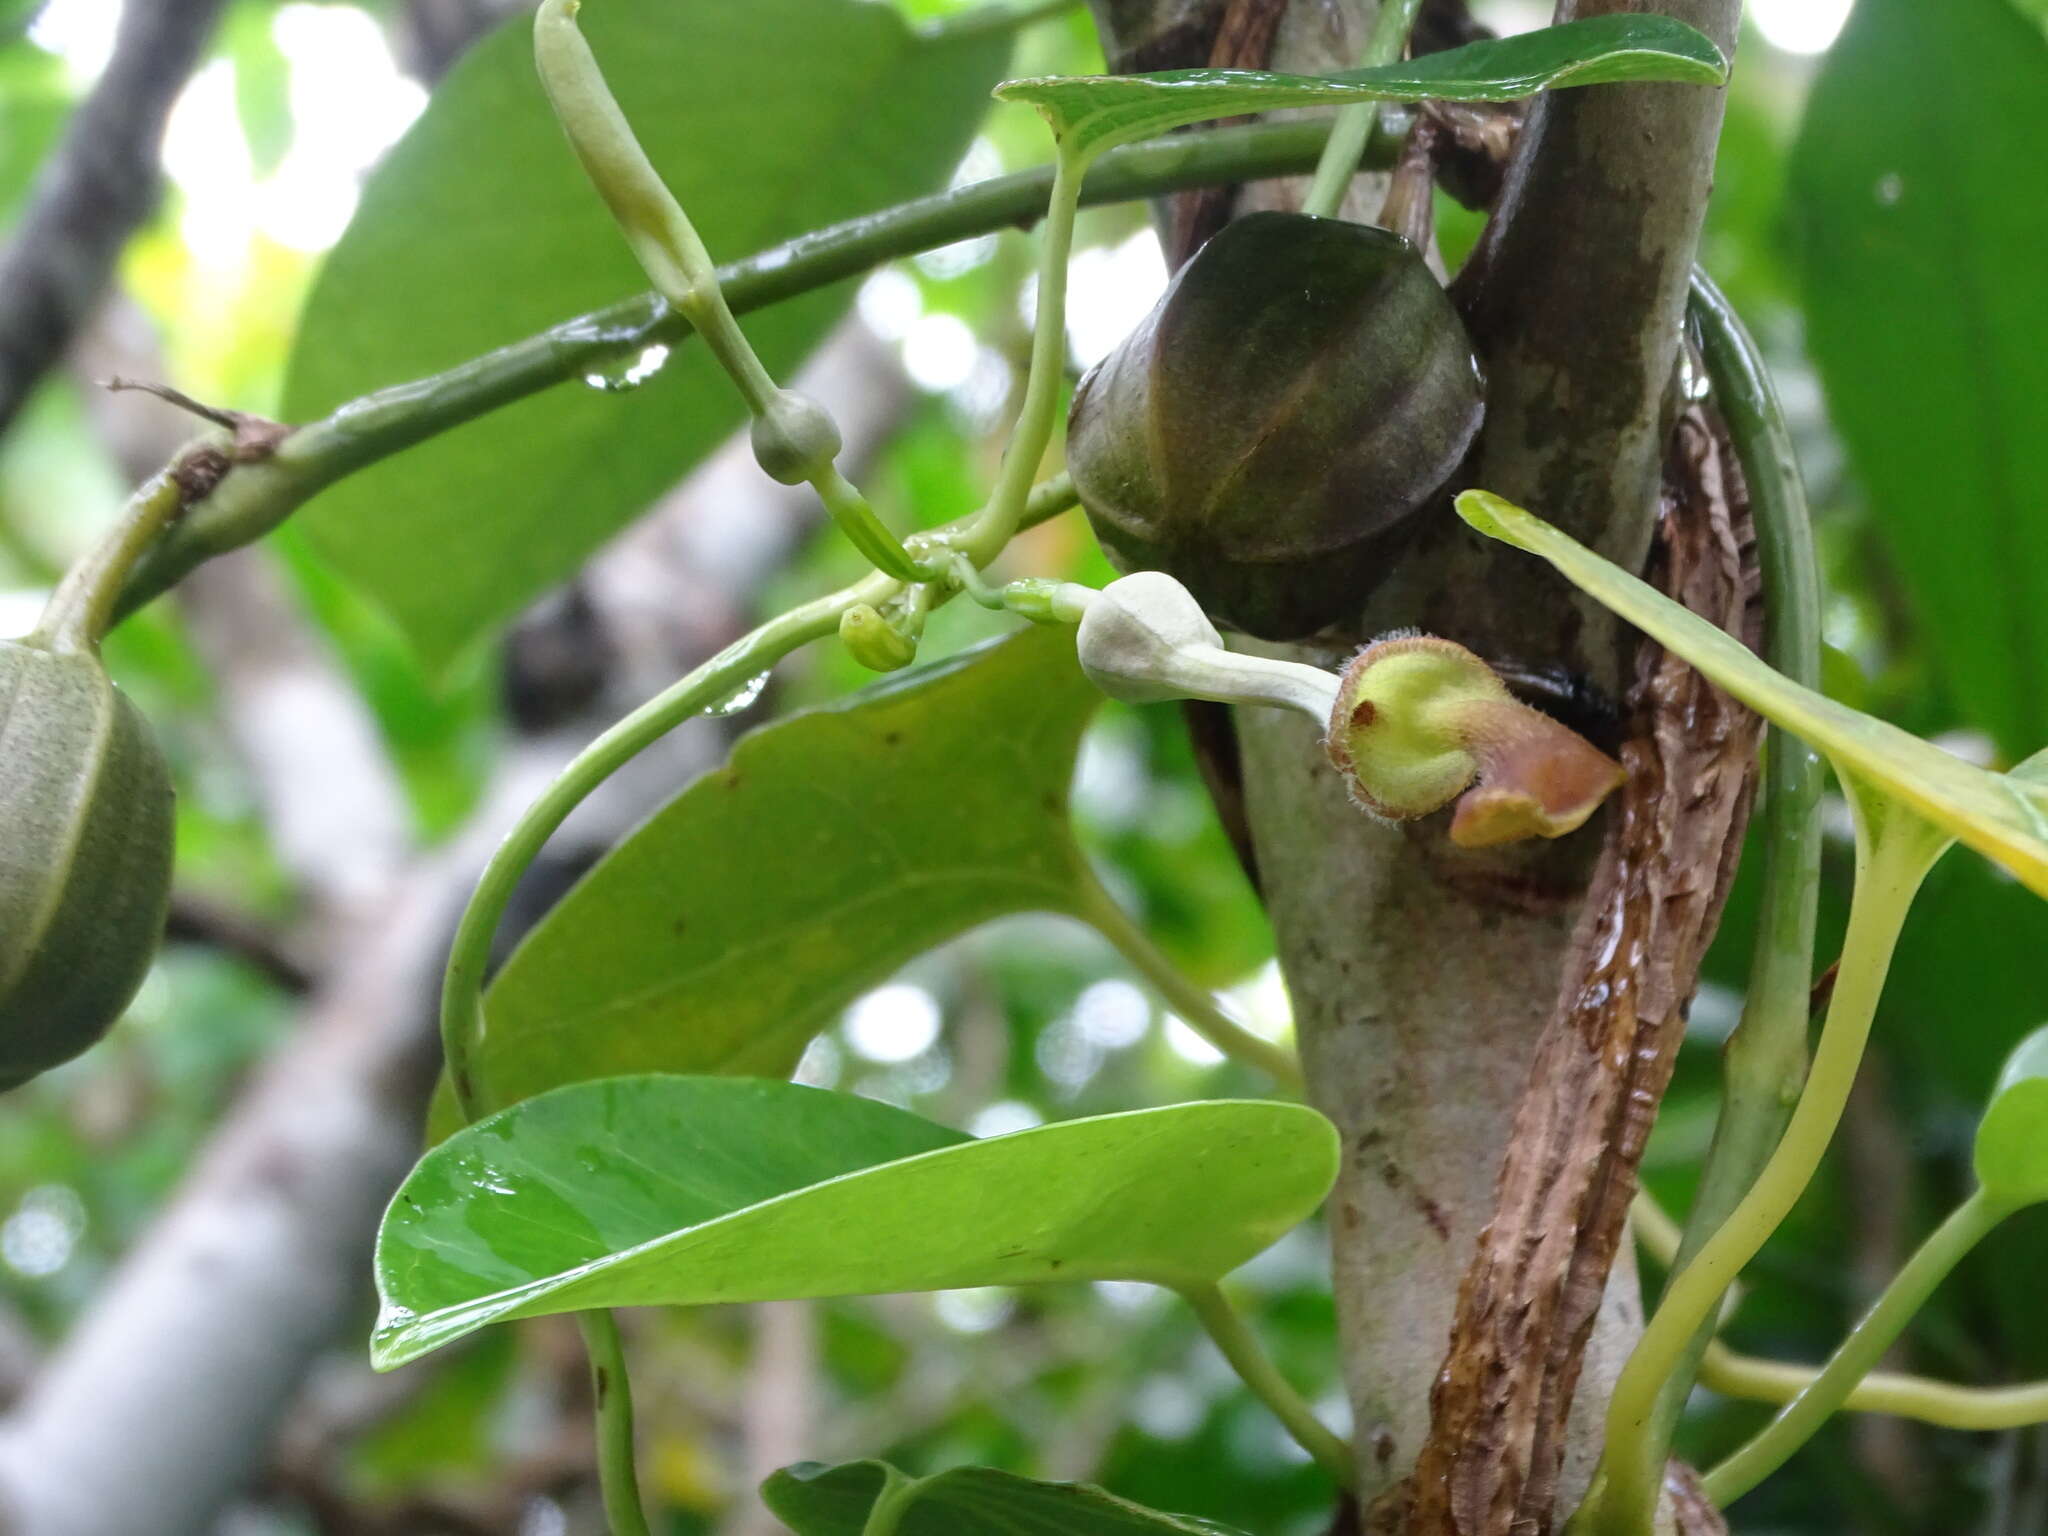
x: 2012, y: 1138
x: 1091, y: 113
x: 816, y: 1500
x: 685, y: 1191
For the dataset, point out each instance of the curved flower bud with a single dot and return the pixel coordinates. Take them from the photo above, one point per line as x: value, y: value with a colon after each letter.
x: 1145, y: 638
x: 1418, y: 719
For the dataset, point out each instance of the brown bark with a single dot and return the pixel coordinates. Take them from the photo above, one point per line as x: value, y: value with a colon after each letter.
x: 1530, y: 1295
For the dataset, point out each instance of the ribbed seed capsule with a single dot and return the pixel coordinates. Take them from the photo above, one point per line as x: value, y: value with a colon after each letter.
x: 1268, y: 432
x: 85, y: 854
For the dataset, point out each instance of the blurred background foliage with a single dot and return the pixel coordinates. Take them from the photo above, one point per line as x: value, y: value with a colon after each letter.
x: 1883, y: 248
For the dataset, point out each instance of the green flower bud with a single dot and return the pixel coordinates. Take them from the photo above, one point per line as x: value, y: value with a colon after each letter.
x: 871, y: 641
x: 795, y: 439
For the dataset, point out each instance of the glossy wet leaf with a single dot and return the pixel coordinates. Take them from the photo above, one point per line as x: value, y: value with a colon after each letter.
x: 1092, y: 113
x: 816, y: 1500
x: 2002, y: 816
x: 1923, y: 123
x: 2012, y: 1138
x: 768, y: 118
x: 833, y: 847
x: 686, y: 1191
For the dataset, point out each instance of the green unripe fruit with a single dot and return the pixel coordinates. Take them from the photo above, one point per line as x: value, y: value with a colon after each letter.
x: 795, y: 438
x: 85, y: 854
x: 1268, y: 433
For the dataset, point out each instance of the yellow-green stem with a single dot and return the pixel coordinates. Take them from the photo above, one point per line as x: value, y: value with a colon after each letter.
x: 1796, y: 1422
x: 1354, y: 125
x: 1940, y: 1403
x: 1036, y: 418
x: 1764, y: 1061
x: 1895, y: 849
x: 1192, y: 1004
x: 613, y: 1395
x: 80, y: 610
x: 1255, y: 1368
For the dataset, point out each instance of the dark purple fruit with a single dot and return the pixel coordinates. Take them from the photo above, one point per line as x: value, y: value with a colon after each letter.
x: 1301, y: 391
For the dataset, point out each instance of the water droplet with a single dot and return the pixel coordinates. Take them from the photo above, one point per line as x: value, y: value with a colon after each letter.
x: 1890, y: 188
x: 1693, y: 382
x: 629, y: 374
x: 740, y: 698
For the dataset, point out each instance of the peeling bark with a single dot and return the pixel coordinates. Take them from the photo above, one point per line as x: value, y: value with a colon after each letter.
x: 1527, y: 1305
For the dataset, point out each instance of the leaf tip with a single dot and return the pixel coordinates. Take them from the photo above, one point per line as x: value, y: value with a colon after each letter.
x: 1489, y: 514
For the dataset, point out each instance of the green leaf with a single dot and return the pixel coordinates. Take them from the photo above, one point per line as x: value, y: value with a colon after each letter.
x: 2012, y: 1139
x: 34, y: 103
x: 768, y: 119
x: 833, y: 847
x: 816, y: 1500
x: 1920, y: 237
x: 685, y: 1191
x: 1091, y: 113
x: 2004, y: 816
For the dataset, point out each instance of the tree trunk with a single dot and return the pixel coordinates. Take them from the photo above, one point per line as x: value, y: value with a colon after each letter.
x: 1422, y: 976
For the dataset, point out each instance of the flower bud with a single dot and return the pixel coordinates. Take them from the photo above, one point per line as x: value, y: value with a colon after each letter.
x: 1419, y: 719
x: 1144, y: 639
x: 871, y: 641
x: 795, y: 438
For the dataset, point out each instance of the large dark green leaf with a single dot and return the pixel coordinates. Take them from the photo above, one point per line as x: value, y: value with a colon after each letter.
x: 1096, y: 112
x: 768, y: 118
x: 1915, y: 195
x: 815, y: 1500
x: 686, y: 1191
x: 832, y: 848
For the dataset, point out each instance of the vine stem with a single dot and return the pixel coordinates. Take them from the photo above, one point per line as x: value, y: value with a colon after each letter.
x: 1194, y: 1005
x: 1255, y: 1368
x: 617, y: 1476
x: 1764, y: 1062
x: 1354, y: 124
x: 79, y: 611
x: 462, y: 1014
x: 1796, y: 1422
x: 1894, y: 851
x: 1036, y: 417
x: 1940, y: 1403
x: 254, y: 498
